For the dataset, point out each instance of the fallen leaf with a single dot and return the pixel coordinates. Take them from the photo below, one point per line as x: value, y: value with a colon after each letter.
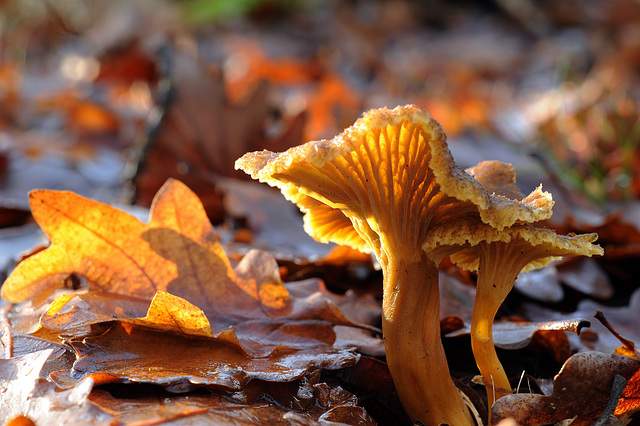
x: 127, y: 65
x: 263, y: 338
x: 518, y: 334
x: 176, y: 256
x: 73, y: 314
x: 581, y: 391
x: 457, y: 298
x: 513, y: 334
x: 585, y: 275
x: 540, y: 284
x: 62, y: 357
x: 130, y: 408
x: 330, y: 102
x: 119, y: 254
x: 212, y: 131
x: 181, y: 363
x: 381, y: 398
x: 622, y: 318
x: 22, y: 393
x: 630, y: 398
x: 276, y: 225
x: 211, y: 409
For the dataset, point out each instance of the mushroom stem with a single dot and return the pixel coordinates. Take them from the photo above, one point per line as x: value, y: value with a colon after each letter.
x: 415, y: 356
x: 497, y: 272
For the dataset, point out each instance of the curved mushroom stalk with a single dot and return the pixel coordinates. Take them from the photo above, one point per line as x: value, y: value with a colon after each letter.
x: 499, y: 256
x: 414, y: 352
x: 497, y: 271
x: 378, y: 186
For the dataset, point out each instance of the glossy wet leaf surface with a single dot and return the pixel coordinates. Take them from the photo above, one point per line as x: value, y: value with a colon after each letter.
x: 23, y: 393
x: 182, y: 363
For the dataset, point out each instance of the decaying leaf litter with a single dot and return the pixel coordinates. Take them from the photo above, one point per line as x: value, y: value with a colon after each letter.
x: 554, y: 98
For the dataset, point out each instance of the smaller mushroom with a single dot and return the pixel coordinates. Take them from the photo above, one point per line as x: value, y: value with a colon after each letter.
x: 499, y: 255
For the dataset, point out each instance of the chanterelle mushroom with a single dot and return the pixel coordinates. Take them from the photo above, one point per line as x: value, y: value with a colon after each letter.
x: 499, y: 256
x: 380, y: 186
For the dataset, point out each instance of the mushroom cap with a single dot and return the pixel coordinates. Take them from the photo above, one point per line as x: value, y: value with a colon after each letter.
x: 387, y: 178
x: 469, y: 235
x: 497, y: 178
x: 539, y: 245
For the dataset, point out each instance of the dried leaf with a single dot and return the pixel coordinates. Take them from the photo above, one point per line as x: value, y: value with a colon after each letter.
x: 212, y: 131
x: 258, y: 332
x: 176, y: 256
x: 585, y: 275
x: 74, y: 313
x: 118, y: 253
x: 581, y: 390
x: 630, y: 399
x: 540, y: 284
x: 516, y: 335
x: 276, y: 225
x: 623, y: 319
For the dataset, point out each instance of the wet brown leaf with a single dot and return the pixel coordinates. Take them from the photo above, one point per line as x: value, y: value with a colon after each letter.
x: 182, y: 363
x: 198, y: 408
x: 23, y: 393
x: 211, y: 409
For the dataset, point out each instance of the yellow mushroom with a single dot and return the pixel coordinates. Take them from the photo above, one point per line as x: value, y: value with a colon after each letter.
x: 498, y: 255
x: 381, y: 186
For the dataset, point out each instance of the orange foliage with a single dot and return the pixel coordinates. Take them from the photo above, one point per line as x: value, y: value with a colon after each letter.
x: 328, y: 93
x: 178, y: 250
x: 630, y: 398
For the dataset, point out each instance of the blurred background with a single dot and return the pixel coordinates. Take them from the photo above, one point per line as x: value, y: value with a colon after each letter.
x: 550, y: 86
x: 110, y: 98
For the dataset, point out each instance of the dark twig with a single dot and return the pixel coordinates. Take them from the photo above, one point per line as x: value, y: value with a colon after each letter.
x: 628, y: 344
x: 619, y: 383
x: 137, y: 153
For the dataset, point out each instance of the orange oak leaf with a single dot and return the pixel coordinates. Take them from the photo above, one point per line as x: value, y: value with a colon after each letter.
x: 117, y: 253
